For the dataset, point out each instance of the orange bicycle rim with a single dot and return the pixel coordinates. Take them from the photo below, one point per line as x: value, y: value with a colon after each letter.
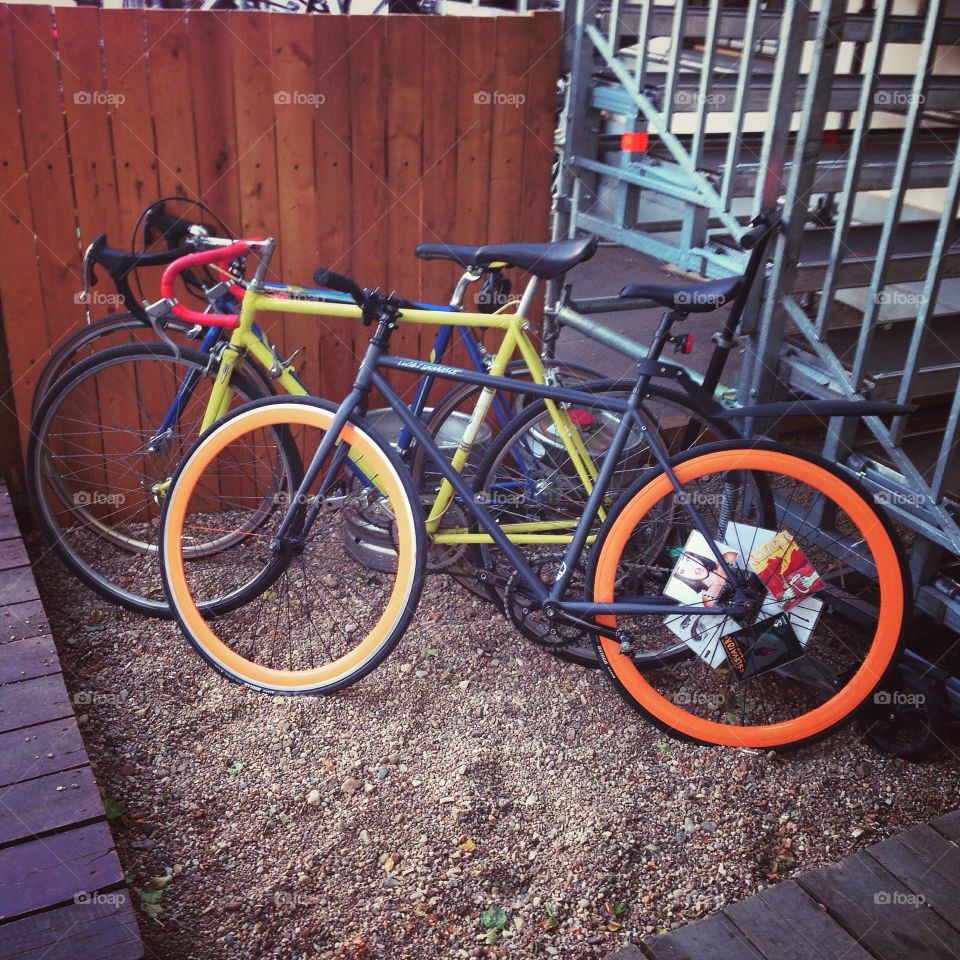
x: 849, y: 697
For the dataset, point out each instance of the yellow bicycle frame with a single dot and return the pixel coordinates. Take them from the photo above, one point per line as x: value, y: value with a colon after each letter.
x: 244, y: 341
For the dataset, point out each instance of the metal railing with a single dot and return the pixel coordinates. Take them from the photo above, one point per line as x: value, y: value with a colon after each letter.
x: 683, y: 121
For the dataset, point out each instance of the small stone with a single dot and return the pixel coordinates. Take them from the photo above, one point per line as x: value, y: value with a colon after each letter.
x: 351, y: 785
x: 382, y: 773
x: 708, y: 826
x: 406, y: 667
x: 313, y: 798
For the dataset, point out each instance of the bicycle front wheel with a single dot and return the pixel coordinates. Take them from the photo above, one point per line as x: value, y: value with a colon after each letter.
x: 804, y: 628
x: 322, y: 608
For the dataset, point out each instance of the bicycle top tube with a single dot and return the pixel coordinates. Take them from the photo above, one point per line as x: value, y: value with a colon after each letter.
x: 334, y: 296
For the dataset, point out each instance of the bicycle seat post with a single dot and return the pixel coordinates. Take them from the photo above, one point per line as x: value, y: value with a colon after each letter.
x: 662, y: 335
x: 526, y: 301
x: 470, y: 275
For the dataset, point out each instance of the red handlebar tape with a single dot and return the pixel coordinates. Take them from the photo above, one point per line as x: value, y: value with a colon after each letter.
x: 216, y: 255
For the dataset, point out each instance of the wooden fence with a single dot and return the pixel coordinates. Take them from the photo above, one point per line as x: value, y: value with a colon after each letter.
x: 351, y: 139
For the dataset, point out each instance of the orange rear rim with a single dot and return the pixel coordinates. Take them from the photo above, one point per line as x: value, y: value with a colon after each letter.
x: 883, y: 648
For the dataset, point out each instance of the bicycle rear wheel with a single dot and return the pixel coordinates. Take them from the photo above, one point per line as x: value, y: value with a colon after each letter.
x: 103, y: 445
x: 826, y: 585
x: 321, y: 610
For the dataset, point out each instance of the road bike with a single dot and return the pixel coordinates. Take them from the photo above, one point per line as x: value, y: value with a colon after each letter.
x: 108, y: 433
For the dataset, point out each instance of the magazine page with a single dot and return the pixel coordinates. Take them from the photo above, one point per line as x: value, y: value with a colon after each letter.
x: 697, y: 580
x: 760, y: 546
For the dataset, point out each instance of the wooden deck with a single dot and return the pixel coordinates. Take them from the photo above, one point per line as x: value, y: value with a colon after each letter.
x: 896, y: 900
x: 62, y: 894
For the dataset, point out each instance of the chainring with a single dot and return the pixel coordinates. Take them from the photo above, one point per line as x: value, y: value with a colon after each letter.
x: 524, y: 614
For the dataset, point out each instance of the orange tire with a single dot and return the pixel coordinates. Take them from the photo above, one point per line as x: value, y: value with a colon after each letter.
x: 363, y: 647
x: 886, y: 558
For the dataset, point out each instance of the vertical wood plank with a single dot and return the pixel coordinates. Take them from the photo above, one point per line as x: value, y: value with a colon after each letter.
x: 440, y: 141
x: 20, y: 282
x: 131, y: 119
x: 539, y: 122
x: 46, y: 145
x: 172, y: 101
x: 368, y: 97
x: 507, y: 135
x: 475, y: 128
x: 508, y: 107
x: 214, y: 115
x: 474, y: 132
x: 255, y: 83
x: 404, y: 121
x: 296, y: 102
x: 368, y: 245
x: 334, y: 193
x: 86, y: 102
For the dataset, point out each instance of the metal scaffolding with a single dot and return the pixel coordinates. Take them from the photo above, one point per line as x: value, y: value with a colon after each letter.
x: 683, y: 121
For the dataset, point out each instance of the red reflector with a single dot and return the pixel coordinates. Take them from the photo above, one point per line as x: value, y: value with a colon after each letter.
x: 688, y: 343
x: 831, y: 138
x: 580, y: 417
x: 635, y: 141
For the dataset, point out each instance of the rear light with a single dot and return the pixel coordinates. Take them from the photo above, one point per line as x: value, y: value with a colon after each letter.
x: 580, y: 417
x: 635, y: 141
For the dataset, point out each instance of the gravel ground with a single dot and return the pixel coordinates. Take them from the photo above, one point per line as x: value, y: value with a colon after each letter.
x: 472, y: 797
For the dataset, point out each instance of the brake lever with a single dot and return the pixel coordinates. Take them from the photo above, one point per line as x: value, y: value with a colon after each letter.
x: 89, y: 277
